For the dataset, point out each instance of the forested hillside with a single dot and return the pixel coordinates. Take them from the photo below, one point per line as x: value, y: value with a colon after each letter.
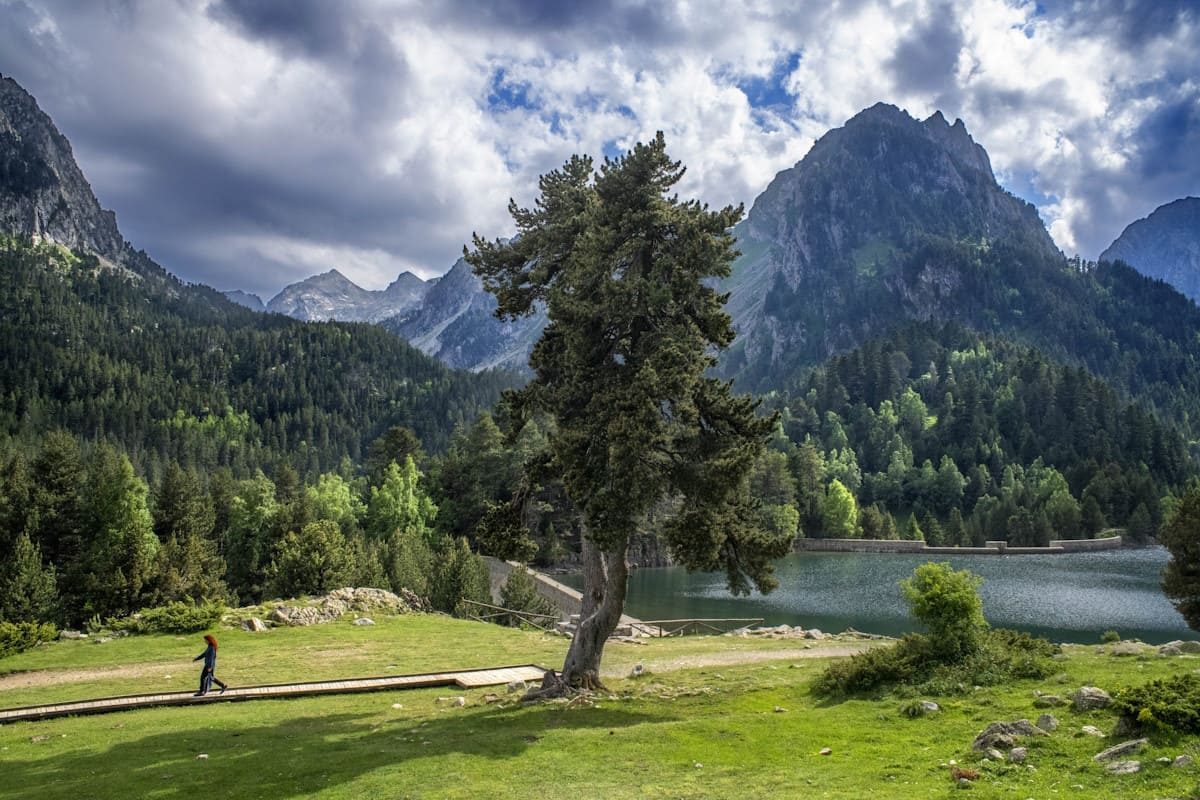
x: 181, y: 374
x: 978, y: 438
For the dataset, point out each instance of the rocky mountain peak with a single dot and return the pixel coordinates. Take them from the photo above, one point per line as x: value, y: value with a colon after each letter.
x: 1164, y: 245
x: 43, y: 193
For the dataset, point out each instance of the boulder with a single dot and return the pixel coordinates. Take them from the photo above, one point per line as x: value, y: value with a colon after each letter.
x: 1183, y: 761
x: 1088, y: 697
x: 1127, y: 649
x: 930, y: 707
x: 1018, y: 755
x: 1124, y: 767
x: 1004, y: 734
x: 1092, y: 730
x: 1048, y: 701
x: 1047, y: 723
x: 254, y: 625
x: 994, y: 754
x: 1169, y: 650
x: 1122, y: 749
x: 364, y: 621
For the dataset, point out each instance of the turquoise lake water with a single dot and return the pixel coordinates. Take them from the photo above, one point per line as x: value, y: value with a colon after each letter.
x: 1066, y: 598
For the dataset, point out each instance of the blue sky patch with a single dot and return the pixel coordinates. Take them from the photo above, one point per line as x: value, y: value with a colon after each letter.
x: 770, y: 91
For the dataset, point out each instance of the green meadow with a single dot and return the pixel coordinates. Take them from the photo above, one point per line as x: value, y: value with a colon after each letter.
x: 708, y: 717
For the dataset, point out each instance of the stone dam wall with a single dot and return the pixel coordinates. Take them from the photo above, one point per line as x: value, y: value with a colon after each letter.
x: 990, y: 548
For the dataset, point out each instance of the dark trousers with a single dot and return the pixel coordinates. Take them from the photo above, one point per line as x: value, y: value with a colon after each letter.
x: 207, y: 679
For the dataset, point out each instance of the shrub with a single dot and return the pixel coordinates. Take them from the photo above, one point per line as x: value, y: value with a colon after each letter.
x: 17, y: 637
x: 1168, y: 706
x: 948, y: 603
x: 1110, y: 637
x: 178, y: 617
x: 519, y: 593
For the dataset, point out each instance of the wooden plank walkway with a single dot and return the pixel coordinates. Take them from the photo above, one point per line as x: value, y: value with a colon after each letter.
x: 466, y: 679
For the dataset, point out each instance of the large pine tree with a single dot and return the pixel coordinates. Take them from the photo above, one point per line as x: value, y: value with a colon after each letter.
x: 623, y: 271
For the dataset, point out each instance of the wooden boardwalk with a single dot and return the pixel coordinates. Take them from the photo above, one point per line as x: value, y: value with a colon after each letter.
x: 466, y: 679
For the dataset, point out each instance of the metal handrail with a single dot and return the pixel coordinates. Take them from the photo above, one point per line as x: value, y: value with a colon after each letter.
x: 682, y: 627
x: 530, y: 617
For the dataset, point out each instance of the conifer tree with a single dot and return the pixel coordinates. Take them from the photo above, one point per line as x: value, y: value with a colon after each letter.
x: 624, y: 270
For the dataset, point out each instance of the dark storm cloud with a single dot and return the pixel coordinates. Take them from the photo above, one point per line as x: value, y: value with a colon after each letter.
x: 315, y: 28
x: 925, y: 60
x: 565, y: 21
x: 1132, y: 22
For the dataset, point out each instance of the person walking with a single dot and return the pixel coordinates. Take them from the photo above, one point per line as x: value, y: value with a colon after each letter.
x: 207, y: 678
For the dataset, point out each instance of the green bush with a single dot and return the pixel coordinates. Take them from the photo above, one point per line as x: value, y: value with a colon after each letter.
x: 915, y: 662
x: 1110, y: 637
x: 178, y: 617
x: 519, y: 593
x: 1167, y: 707
x: 17, y: 637
x: 948, y: 603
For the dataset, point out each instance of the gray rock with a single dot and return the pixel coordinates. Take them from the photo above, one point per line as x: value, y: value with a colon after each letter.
x: 364, y: 621
x: 1005, y: 734
x: 1047, y: 723
x: 1122, y: 749
x: 930, y: 707
x: 1048, y: 701
x: 1183, y: 761
x: 1092, y: 730
x: 1123, y: 767
x: 72, y: 635
x: 1127, y: 649
x: 994, y: 754
x: 254, y: 625
x: 516, y: 686
x: 1018, y: 755
x: 1169, y: 650
x: 1088, y: 697
x: 1189, y: 647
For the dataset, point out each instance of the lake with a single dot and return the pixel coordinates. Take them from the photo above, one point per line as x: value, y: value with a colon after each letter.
x: 1066, y: 598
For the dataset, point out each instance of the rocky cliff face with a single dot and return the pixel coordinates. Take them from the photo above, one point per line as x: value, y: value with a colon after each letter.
x: 455, y: 323
x: 836, y: 249
x: 1164, y: 245
x: 250, y: 301
x: 43, y: 193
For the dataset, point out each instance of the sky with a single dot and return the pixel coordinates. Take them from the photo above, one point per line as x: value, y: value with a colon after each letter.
x: 248, y: 144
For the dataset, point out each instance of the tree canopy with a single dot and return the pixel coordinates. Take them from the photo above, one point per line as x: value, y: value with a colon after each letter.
x: 623, y: 271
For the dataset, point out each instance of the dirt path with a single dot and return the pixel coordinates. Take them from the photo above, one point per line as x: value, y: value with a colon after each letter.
x: 744, y: 657
x: 48, y: 677
x: 184, y: 676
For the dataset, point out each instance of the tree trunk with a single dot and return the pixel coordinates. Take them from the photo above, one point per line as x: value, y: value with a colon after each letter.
x: 605, y: 582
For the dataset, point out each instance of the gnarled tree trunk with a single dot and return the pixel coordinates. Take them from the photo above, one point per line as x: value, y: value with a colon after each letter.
x: 605, y: 582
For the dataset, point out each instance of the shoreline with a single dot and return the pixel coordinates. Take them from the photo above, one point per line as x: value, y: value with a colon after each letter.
x: 1057, y: 547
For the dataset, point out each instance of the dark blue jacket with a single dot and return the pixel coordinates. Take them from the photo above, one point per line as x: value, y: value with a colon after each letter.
x: 210, y: 657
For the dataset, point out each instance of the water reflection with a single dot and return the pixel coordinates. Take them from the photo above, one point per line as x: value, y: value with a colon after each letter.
x: 1063, y: 597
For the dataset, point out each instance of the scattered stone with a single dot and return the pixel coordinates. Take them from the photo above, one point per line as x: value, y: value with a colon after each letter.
x: 637, y: 670
x: 994, y: 755
x: 202, y: 757
x: 72, y: 635
x: 1088, y: 697
x: 1047, y: 723
x: 698, y: 765
x: 255, y: 625
x: 963, y: 783
x: 459, y: 702
x: 397, y: 705
x: 1092, y: 730
x: 1122, y: 749
x: 1163, y: 760
x: 1169, y: 650
x: 516, y: 686
x: 1182, y: 761
x: 1124, y: 767
x: 1018, y: 755
x: 815, y: 634
x: 103, y: 639
x: 1126, y: 649
x: 364, y: 621
x: 825, y: 751
x: 35, y: 739
x: 930, y: 707
x: 780, y: 709
x: 1004, y: 734
x: 1048, y: 701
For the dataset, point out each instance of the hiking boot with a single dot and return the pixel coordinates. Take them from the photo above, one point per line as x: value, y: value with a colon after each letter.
x: 223, y: 688
x: 198, y: 694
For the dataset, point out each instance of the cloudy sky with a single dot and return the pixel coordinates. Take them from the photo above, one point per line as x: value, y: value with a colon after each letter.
x: 251, y: 143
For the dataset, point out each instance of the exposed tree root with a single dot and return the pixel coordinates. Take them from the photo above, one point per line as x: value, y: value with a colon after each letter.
x: 554, y: 686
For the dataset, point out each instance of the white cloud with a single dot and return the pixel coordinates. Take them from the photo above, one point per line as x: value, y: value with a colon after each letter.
x: 362, y: 132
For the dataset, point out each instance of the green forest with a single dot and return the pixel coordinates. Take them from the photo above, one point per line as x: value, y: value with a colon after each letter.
x: 159, y: 444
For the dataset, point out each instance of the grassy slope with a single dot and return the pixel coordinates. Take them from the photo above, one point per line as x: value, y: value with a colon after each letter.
x: 678, y: 731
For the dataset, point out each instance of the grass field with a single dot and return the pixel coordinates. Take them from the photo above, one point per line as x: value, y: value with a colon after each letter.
x: 711, y: 717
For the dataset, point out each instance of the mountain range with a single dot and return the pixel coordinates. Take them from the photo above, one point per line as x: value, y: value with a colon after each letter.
x: 1164, y: 245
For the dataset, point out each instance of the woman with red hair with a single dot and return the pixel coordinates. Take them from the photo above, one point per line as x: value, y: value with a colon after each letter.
x: 210, y: 664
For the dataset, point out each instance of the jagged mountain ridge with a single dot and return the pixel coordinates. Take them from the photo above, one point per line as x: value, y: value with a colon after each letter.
x: 1164, y: 245
x: 825, y: 244
x: 455, y: 322
x: 333, y: 296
